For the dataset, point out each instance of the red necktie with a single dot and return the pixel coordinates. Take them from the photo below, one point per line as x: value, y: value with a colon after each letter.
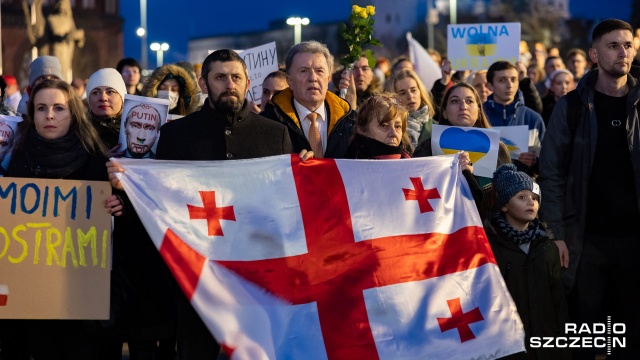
x: 314, y: 136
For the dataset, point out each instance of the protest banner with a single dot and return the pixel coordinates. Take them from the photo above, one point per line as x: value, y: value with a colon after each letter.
x: 140, y: 125
x: 261, y: 61
x: 55, y: 249
x: 481, y: 144
x: 516, y: 138
x: 8, y: 139
x: 477, y: 46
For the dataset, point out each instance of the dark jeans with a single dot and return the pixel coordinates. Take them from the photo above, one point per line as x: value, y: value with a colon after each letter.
x: 607, y: 281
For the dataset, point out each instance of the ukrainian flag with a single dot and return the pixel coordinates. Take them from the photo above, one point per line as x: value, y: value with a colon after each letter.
x: 474, y: 142
x: 482, y: 44
x: 510, y: 144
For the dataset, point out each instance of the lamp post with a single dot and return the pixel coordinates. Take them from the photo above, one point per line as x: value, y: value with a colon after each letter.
x: 453, y: 12
x: 143, y: 48
x: 297, y: 23
x: 142, y: 32
x: 159, y: 49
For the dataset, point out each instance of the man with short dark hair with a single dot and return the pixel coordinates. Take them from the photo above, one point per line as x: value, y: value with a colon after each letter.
x: 590, y: 178
x: 577, y: 63
x: 505, y: 107
x: 551, y: 64
x: 364, y: 83
x: 223, y: 129
x: 317, y: 119
x: 131, y: 73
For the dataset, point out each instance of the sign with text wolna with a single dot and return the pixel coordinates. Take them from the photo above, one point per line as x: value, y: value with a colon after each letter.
x: 481, y: 144
x: 55, y: 249
x: 477, y: 46
x: 261, y: 61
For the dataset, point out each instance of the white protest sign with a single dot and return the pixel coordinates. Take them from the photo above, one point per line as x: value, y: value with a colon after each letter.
x: 261, y: 61
x: 8, y: 139
x: 481, y: 144
x: 516, y: 138
x: 477, y: 46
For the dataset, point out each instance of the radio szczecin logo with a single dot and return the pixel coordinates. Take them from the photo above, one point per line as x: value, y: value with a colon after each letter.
x: 602, y: 336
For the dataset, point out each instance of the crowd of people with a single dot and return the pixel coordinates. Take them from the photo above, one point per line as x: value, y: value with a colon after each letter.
x: 572, y: 263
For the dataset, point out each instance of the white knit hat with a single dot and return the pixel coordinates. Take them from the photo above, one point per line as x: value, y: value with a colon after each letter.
x: 107, y: 77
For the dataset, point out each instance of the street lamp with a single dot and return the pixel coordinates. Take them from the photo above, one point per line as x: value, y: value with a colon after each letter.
x: 297, y: 23
x: 142, y: 32
x: 159, y: 49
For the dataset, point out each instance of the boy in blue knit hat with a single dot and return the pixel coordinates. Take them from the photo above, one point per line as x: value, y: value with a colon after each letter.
x: 528, y: 260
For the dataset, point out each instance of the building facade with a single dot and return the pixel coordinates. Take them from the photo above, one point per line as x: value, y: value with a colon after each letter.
x: 103, y: 45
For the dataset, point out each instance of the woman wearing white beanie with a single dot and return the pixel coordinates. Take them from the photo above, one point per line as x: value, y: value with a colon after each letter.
x: 105, y: 96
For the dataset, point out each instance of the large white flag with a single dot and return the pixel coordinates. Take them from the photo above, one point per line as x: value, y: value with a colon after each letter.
x: 329, y: 259
x: 423, y: 63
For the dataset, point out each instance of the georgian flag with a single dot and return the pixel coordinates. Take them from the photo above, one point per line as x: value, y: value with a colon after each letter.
x: 329, y: 259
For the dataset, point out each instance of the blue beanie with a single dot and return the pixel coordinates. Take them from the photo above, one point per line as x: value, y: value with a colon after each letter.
x: 508, y: 181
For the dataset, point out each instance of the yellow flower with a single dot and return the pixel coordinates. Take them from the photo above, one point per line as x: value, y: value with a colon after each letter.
x: 371, y: 10
x: 363, y: 13
x: 355, y: 9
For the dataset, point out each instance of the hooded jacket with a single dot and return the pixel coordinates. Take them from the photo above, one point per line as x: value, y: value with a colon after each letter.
x: 514, y: 114
x: 341, y: 122
x: 189, y: 96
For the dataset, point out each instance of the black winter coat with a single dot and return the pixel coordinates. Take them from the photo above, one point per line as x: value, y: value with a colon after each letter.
x: 211, y: 135
x: 535, y: 283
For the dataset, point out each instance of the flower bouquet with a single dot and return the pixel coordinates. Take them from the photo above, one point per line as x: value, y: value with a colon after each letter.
x: 358, y: 35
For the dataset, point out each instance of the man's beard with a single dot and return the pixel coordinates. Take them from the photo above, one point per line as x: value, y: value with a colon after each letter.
x: 232, y: 103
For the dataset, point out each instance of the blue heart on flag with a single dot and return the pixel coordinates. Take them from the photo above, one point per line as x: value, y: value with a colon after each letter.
x: 475, y: 142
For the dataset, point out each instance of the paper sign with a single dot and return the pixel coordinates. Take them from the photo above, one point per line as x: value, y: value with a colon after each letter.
x: 55, y: 249
x: 140, y: 125
x: 477, y: 46
x: 481, y: 144
x: 516, y: 138
x: 534, y: 141
x: 8, y: 139
x: 261, y: 61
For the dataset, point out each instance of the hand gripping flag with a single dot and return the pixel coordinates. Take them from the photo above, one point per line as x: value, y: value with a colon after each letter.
x: 329, y: 259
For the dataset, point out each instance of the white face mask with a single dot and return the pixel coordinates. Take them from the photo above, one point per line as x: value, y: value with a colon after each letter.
x: 173, y: 98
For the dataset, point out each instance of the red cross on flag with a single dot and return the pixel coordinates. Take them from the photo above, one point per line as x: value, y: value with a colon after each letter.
x: 329, y: 259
